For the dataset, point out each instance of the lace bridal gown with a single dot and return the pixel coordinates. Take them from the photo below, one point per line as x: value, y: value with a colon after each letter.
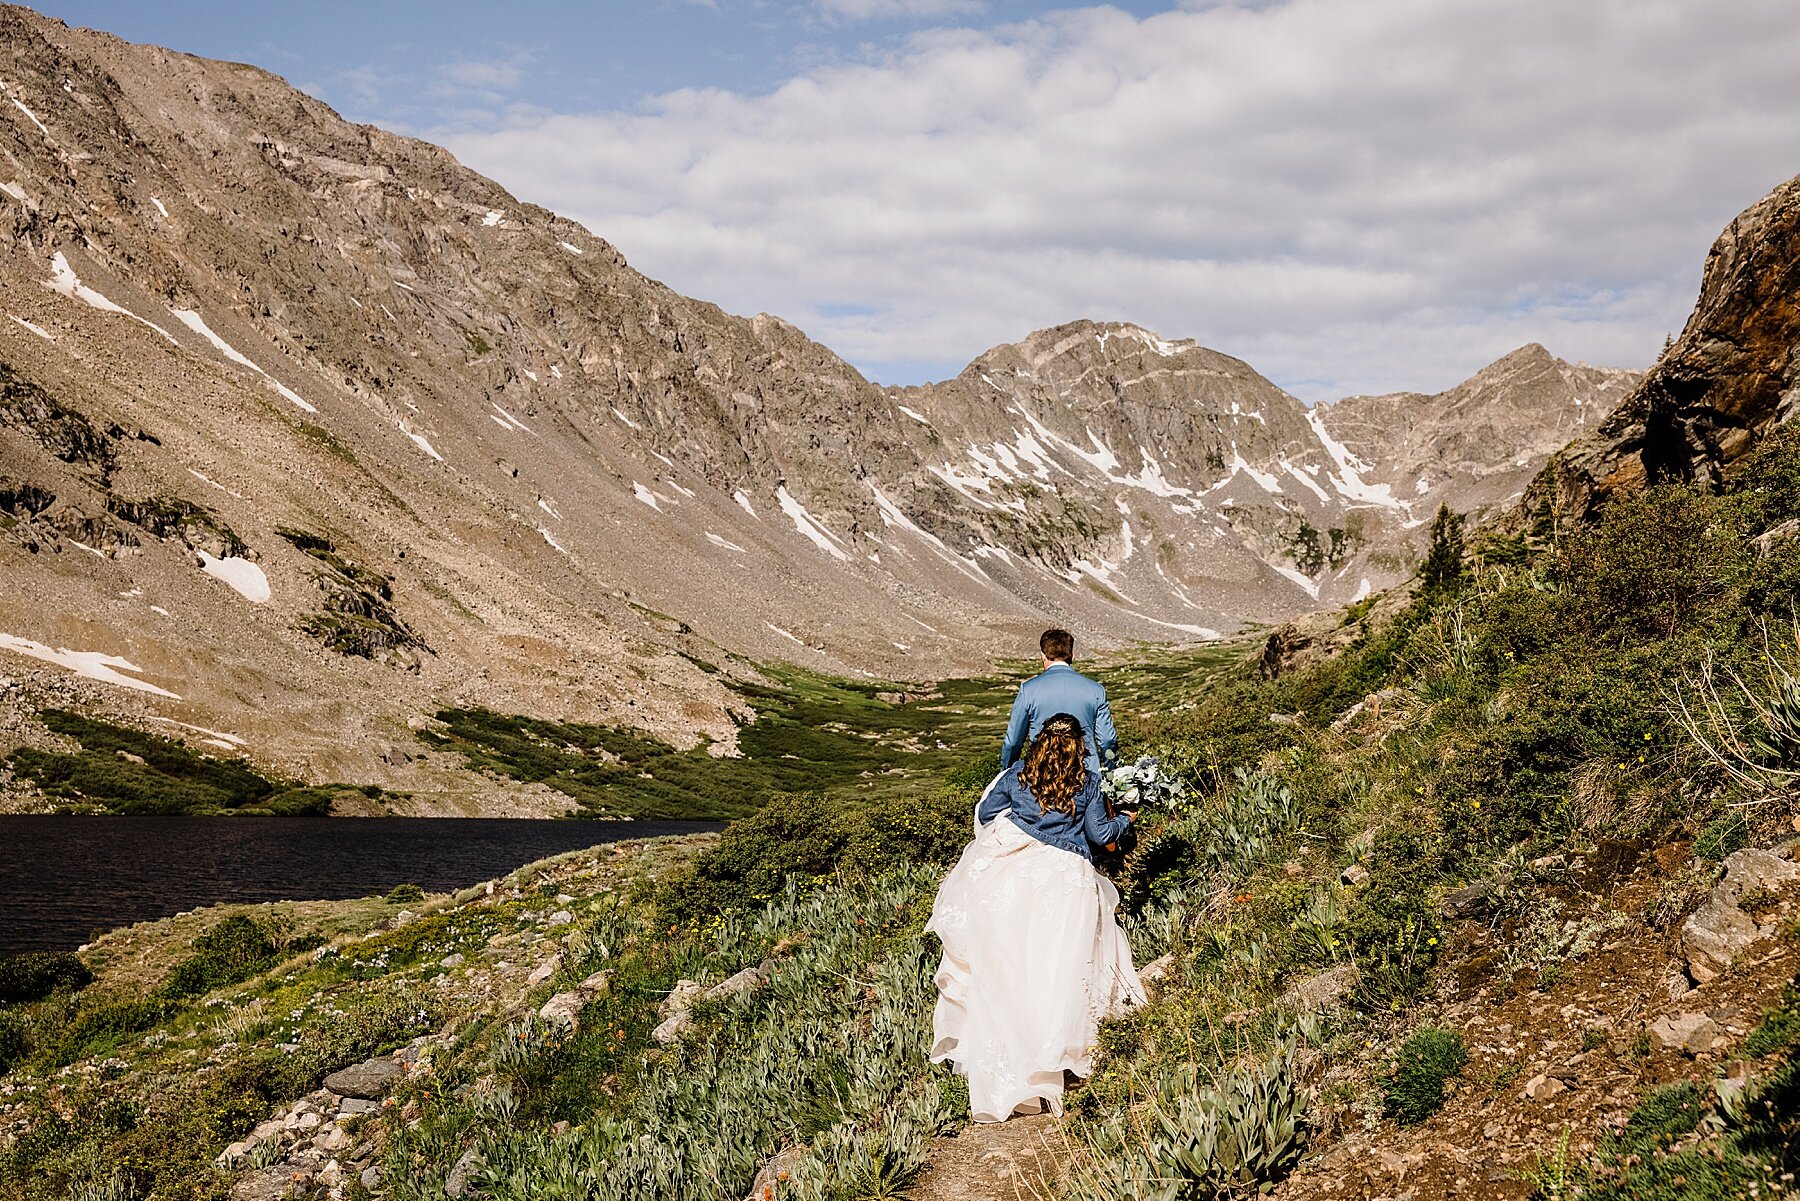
x: 1033, y: 960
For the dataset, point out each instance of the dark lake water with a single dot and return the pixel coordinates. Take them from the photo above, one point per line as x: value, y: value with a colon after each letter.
x: 63, y: 878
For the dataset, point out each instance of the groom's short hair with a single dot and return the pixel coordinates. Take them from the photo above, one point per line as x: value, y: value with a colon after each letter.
x: 1058, y: 646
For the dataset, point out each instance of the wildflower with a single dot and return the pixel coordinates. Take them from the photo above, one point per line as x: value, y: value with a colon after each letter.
x: 1474, y: 804
x: 1431, y: 942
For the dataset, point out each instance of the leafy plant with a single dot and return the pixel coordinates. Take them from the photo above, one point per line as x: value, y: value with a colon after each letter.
x: 35, y: 975
x: 1426, y: 1060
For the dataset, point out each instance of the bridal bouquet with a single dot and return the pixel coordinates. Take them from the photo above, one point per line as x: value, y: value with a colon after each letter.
x: 1142, y: 785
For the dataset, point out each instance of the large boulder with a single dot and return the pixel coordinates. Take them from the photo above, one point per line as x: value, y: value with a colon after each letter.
x: 1727, y: 380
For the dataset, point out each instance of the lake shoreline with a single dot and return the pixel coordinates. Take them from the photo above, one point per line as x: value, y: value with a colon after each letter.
x: 64, y: 880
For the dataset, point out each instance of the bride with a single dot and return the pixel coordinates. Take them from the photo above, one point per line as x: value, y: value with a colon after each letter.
x: 1033, y: 958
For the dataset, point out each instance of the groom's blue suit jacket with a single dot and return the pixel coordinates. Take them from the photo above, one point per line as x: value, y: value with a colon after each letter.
x: 1059, y: 688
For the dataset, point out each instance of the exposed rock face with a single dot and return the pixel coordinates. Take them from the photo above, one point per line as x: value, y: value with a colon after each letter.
x: 306, y: 431
x: 1729, y: 377
x: 1478, y: 444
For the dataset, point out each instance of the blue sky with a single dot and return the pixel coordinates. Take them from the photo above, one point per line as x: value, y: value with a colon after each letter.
x: 1352, y: 195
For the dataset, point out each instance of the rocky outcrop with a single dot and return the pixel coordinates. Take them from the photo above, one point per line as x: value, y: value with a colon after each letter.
x: 1731, y: 375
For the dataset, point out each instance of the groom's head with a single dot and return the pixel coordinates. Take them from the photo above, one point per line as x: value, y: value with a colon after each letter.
x: 1058, y: 646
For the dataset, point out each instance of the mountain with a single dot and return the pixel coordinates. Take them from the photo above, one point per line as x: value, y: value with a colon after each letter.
x: 1478, y: 444
x: 306, y: 432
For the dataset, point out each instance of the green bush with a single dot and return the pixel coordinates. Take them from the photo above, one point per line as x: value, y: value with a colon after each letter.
x: 882, y: 836
x: 404, y: 894
x: 1232, y: 1136
x: 15, y: 1040
x: 234, y: 950
x: 1780, y: 1027
x: 100, y: 1023
x: 796, y: 834
x: 1427, y: 1059
x: 1724, y: 834
x: 1662, y: 1116
x: 1653, y: 562
x: 35, y: 975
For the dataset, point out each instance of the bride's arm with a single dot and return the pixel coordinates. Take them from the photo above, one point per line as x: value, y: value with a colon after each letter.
x: 1099, y: 828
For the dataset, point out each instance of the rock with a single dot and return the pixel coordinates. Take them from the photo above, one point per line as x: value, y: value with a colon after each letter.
x: 265, y: 1184
x: 544, y: 971
x: 744, y: 981
x: 771, y: 1176
x: 307, y: 1121
x: 1355, y: 874
x: 596, y: 984
x: 369, y: 1080
x: 564, y: 1010
x: 236, y: 1151
x: 333, y: 1139
x: 1542, y: 1088
x: 1749, y: 870
x: 1714, y: 934
x: 453, y: 959
x: 1285, y: 719
x: 673, y: 1027
x: 1690, y: 1032
x: 1323, y: 991
x: 330, y: 1176
x: 371, y: 1178
x: 456, y: 1184
x: 1152, y: 974
x: 1766, y: 541
x: 681, y: 997
x: 561, y: 917
x: 1468, y: 900
x: 353, y: 1105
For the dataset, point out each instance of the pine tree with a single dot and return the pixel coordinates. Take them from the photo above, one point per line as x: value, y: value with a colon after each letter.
x: 1443, y: 571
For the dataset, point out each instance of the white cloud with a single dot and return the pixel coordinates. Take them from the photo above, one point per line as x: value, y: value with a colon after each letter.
x: 494, y: 75
x: 885, y: 10
x: 1354, y: 195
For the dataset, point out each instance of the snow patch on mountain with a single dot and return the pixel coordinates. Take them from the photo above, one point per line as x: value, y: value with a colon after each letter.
x: 64, y: 280
x: 808, y: 525
x: 245, y: 577
x: 94, y: 665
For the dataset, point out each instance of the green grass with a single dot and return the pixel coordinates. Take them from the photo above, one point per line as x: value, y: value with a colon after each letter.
x: 119, y: 770
x: 811, y: 733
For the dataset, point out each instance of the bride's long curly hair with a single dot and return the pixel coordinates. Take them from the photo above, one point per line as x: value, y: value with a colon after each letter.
x: 1056, y: 764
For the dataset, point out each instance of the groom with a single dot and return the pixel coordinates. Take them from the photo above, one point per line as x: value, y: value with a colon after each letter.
x: 1059, y: 688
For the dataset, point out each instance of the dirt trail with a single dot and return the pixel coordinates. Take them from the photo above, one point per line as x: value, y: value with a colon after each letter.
x: 1019, y: 1160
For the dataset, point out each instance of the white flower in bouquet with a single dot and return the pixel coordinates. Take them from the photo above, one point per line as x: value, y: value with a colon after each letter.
x: 1141, y: 785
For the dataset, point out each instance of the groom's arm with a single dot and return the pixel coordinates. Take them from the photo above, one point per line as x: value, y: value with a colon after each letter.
x: 1017, y: 727
x: 1106, y: 739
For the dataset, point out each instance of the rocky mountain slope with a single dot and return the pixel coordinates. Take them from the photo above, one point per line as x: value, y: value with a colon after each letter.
x: 306, y: 431
x: 1728, y: 379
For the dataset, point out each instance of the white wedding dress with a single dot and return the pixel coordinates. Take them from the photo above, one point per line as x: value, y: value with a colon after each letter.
x: 1033, y: 960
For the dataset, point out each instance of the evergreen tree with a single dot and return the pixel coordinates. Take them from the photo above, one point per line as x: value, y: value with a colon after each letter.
x: 1443, y: 571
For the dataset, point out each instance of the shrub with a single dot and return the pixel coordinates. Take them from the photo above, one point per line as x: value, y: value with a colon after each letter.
x: 404, y: 894
x: 99, y: 1024
x: 1724, y: 834
x: 933, y: 830
x: 34, y: 976
x: 1233, y: 1135
x: 1662, y: 1116
x: 15, y: 1040
x: 1654, y: 560
x: 234, y: 950
x: 792, y: 834
x: 1427, y: 1059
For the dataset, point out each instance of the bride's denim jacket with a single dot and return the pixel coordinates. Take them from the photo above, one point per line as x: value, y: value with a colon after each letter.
x: 1077, y: 832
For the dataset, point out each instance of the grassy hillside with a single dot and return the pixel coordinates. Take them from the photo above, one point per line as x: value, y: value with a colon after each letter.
x: 1422, y: 931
